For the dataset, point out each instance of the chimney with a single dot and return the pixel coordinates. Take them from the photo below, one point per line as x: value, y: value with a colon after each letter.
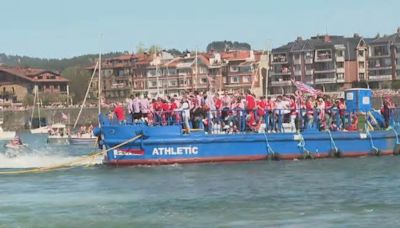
x: 327, y: 38
x: 356, y: 35
x: 398, y: 30
x: 299, y: 38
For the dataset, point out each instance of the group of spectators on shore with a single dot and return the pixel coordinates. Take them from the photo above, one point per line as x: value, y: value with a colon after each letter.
x: 239, y: 112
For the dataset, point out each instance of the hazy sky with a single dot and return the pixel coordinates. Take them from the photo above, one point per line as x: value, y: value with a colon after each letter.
x: 65, y: 28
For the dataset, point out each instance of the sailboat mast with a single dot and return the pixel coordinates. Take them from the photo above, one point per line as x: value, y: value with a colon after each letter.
x: 34, y: 104
x: 99, y: 83
x: 196, y: 78
x: 37, y: 93
x: 86, y: 95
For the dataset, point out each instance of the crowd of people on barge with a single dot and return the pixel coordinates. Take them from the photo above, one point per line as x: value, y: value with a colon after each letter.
x: 241, y: 112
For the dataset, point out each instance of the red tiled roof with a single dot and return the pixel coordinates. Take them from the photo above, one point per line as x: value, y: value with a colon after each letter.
x: 30, y: 73
x: 235, y: 55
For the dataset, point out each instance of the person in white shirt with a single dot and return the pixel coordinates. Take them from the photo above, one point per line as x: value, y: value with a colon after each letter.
x: 185, y: 108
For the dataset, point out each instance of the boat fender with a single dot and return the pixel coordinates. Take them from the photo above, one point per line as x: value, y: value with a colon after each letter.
x: 308, y: 156
x: 97, y: 131
x: 273, y: 157
x: 100, y: 142
x: 337, y: 153
x: 396, y: 150
x: 375, y: 151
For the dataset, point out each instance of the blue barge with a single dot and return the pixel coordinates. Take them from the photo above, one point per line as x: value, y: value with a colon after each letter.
x: 159, y: 145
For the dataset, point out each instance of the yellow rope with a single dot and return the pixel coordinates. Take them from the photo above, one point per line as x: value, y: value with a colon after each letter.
x: 69, y: 165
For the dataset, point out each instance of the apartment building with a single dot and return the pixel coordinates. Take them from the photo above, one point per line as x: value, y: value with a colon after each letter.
x: 328, y: 63
x: 163, y: 74
x: 384, y: 60
x: 17, y: 82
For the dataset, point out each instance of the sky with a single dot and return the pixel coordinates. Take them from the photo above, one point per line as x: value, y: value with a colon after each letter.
x: 67, y: 28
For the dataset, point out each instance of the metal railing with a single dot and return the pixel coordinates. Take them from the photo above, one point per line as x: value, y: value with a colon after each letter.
x: 229, y: 121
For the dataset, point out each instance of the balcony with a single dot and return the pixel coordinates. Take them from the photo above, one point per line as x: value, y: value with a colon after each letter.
x: 340, y: 70
x: 324, y: 70
x: 279, y: 59
x: 379, y: 67
x: 380, y: 77
x: 118, y: 86
x: 281, y: 83
x: 309, y: 72
x: 339, y: 58
x: 325, y: 80
x: 308, y: 60
x: 323, y: 55
x: 281, y: 73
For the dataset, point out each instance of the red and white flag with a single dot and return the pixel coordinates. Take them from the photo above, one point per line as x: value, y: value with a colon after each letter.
x: 306, y: 88
x: 64, y: 116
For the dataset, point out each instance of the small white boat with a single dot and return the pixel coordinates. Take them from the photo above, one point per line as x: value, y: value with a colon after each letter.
x: 58, y: 134
x: 82, y: 139
x: 40, y: 130
x: 6, y: 135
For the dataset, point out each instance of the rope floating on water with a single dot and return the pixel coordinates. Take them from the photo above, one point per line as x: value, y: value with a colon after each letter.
x: 70, y: 164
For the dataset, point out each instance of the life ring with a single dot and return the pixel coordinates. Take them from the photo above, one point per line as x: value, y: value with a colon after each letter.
x: 396, y: 149
x: 335, y: 153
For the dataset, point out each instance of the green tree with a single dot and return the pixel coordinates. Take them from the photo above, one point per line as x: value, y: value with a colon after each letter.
x: 140, y: 48
x: 78, y: 82
x: 154, y: 49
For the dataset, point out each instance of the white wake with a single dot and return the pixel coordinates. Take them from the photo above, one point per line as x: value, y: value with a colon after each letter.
x: 36, y: 160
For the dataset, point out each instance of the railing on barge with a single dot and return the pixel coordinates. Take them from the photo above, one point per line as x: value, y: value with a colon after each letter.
x: 277, y: 120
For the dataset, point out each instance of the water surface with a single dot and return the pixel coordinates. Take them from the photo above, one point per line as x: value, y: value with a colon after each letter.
x: 359, y: 192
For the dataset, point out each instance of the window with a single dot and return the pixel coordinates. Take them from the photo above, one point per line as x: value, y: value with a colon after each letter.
x: 246, y: 79
x: 339, y: 64
x: 339, y: 53
x: 203, y: 81
x: 234, y: 69
x: 361, y: 53
x: 340, y: 76
x: 172, y: 83
x: 361, y: 76
x: 297, y: 56
x: 152, y: 83
x: 361, y: 65
x: 235, y: 80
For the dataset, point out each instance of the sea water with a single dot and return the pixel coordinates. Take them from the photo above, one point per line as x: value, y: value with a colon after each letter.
x: 351, y: 192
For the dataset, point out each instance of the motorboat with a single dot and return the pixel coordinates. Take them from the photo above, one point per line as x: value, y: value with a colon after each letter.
x: 6, y: 135
x: 57, y: 134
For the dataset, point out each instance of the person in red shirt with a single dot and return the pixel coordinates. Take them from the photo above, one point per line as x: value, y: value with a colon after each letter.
x: 250, y: 107
x: 119, y: 113
x: 261, y: 106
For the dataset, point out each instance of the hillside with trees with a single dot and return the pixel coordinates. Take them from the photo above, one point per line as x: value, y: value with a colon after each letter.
x: 225, y: 45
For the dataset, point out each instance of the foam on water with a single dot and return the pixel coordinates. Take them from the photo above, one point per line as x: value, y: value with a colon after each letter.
x: 14, y: 159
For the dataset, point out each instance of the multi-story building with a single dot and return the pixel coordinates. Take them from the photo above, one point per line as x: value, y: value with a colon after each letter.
x: 329, y: 63
x: 384, y: 60
x: 16, y: 83
x: 163, y: 74
x: 242, y: 71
